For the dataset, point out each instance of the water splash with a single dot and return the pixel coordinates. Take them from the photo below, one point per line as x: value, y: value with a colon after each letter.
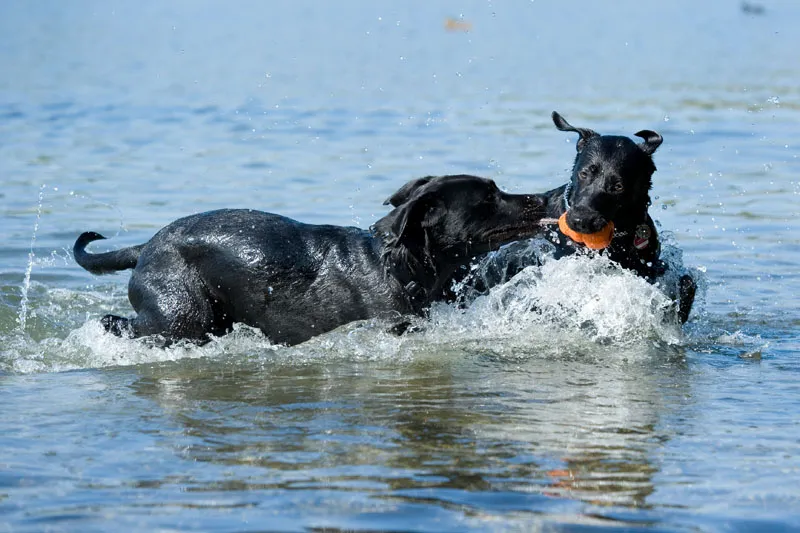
x: 578, y: 306
x: 577, y: 302
x: 26, y: 282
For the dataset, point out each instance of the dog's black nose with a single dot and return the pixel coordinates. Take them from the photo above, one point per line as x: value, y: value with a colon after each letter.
x: 585, y: 220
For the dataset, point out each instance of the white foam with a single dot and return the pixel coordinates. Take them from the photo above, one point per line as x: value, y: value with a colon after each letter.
x: 568, y: 303
x: 89, y: 346
x: 578, y: 304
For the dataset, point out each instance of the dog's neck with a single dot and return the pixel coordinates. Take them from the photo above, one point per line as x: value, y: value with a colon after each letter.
x: 422, y: 279
x: 565, y: 195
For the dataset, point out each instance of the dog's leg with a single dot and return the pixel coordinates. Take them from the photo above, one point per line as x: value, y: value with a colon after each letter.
x: 686, y: 292
x: 131, y: 328
x: 171, y: 300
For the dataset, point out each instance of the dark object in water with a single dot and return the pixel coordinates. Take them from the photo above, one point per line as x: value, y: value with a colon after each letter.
x: 201, y: 274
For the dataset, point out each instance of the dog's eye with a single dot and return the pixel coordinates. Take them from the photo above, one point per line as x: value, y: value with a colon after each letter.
x: 618, y: 187
x: 588, y: 172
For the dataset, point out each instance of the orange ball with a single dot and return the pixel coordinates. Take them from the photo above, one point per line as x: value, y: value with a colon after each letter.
x: 595, y: 241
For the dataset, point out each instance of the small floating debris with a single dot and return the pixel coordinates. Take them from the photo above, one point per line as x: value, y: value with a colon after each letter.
x: 451, y: 24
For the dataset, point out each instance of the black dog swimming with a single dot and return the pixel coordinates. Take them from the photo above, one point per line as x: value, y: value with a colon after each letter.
x: 610, y: 183
x: 201, y: 274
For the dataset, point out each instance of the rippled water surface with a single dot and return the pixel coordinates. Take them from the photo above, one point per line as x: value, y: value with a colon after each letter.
x: 594, y: 412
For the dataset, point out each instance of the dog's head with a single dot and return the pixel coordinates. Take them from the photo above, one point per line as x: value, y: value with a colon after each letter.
x: 440, y: 223
x: 611, y: 178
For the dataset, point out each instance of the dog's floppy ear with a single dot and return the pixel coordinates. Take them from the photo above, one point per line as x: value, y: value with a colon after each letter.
x: 563, y: 125
x: 404, y: 193
x: 412, y: 217
x: 652, y: 141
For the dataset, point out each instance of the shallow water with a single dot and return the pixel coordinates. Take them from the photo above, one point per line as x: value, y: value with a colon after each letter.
x: 550, y: 402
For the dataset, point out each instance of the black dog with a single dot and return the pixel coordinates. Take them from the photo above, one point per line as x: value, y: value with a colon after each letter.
x: 201, y: 274
x: 610, y: 182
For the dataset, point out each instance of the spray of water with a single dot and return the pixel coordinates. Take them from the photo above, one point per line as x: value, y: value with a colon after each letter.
x: 578, y: 301
x: 26, y: 282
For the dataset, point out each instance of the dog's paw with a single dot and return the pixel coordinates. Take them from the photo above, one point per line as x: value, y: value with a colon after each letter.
x: 399, y: 328
x: 117, y: 325
x: 403, y: 327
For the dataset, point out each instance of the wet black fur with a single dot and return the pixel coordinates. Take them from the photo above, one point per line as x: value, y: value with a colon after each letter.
x: 201, y: 274
x: 610, y: 182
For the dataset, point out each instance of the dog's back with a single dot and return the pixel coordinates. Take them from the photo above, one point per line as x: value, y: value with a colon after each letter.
x: 269, y: 271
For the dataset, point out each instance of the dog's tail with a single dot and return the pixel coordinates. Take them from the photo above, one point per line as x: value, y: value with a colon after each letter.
x: 106, y: 262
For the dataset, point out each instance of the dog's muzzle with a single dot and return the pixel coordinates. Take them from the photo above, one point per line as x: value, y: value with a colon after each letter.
x: 585, y: 220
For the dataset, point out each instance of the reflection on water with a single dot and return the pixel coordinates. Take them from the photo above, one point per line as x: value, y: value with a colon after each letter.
x: 581, y: 429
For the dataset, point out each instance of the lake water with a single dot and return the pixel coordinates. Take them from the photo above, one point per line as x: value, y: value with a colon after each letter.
x: 120, y: 117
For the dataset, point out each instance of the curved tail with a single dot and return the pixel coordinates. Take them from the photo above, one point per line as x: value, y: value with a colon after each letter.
x: 106, y: 262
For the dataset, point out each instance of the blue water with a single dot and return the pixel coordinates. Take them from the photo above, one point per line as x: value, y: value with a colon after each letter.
x: 120, y: 117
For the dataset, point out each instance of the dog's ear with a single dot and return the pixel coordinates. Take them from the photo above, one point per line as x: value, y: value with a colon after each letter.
x: 412, y: 218
x: 407, y: 234
x: 652, y: 141
x: 563, y: 125
x: 404, y: 193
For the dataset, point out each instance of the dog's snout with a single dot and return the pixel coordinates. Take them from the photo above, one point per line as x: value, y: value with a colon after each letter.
x: 585, y: 220
x: 577, y: 223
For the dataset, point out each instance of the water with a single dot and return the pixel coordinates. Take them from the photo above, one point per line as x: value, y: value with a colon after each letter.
x: 589, y: 412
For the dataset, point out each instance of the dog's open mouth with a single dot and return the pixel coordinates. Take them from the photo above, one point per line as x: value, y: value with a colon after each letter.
x: 595, y: 241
